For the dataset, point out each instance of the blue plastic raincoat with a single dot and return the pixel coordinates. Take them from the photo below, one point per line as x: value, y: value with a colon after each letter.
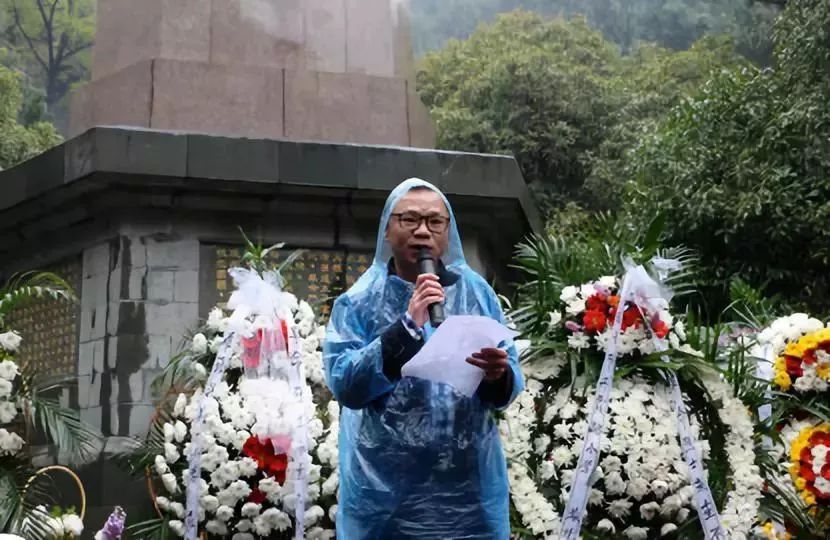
x: 417, y: 458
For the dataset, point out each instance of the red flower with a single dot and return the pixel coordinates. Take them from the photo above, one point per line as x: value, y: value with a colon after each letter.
x: 631, y: 317
x: 613, y: 301
x: 596, y: 303
x: 806, y: 472
x: 256, y: 496
x: 661, y: 329
x: 809, y: 357
x: 594, y: 321
x: 267, y: 461
x: 825, y: 471
x: 794, y: 366
x: 820, y: 437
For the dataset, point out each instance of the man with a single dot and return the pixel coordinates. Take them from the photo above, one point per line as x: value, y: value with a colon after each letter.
x: 417, y: 459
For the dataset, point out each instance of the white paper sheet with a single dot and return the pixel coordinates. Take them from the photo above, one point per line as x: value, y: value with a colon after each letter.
x: 443, y: 358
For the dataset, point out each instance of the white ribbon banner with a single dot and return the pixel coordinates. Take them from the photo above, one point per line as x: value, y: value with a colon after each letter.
x: 299, y: 444
x: 194, y: 467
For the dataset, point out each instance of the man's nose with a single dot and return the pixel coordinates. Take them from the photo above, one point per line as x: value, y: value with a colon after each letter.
x: 422, y: 230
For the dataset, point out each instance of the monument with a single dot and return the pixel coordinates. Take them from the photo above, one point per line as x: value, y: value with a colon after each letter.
x: 290, y: 118
x: 302, y: 69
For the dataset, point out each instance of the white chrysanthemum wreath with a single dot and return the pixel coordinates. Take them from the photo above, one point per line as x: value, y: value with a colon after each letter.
x: 642, y: 483
x: 246, y: 490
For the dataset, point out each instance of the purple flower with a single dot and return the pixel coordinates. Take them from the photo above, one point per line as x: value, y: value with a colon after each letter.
x: 572, y: 326
x: 114, y: 527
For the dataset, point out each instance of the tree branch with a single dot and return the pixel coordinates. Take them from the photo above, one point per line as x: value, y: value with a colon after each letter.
x: 19, y: 25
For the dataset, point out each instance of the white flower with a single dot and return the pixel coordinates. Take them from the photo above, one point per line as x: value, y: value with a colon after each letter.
x: 5, y: 388
x: 198, y: 370
x: 620, y: 508
x: 177, y: 508
x: 609, y: 282
x: 250, y: 509
x: 333, y: 513
x: 199, y: 344
x: 180, y: 431
x: 10, y: 341
x: 8, y: 370
x: 562, y: 455
x: 242, y: 536
x: 636, y: 533
x: 614, y: 483
x: 216, y: 320
x: 224, y: 513
x: 649, y: 510
x: 72, y: 524
x: 578, y: 341
x: 554, y: 319
x: 667, y: 529
x: 330, y: 485
x: 312, y: 515
x: 176, y: 526
x: 541, y: 444
x: 161, y: 465
x: 568, y: 293
x: 606, y: 526
x: 547, y: 470
x: 10, y: 443
x: 210, y: 503
x: 671, y: 504
x: 637, y: 488
x: 163, y: 502
x: 8, y: 411
x: 169, y: 481
x: 216, y: 527
x: 214, y: 344
x: 178, y: 408
x: 659, y: 488
x: 171, y: 453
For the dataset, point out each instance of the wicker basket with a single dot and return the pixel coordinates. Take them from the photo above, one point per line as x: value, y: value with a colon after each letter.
x: 66, y: 470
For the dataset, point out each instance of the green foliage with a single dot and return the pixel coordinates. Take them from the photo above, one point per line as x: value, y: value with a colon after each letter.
x: 675, y: 24
x: 742, y: 169
x: 551, y: 262
x: 53, y: 39
x: 561, y: 99
x: 42, y: 416
x: 652, y: 80
x: 538, y: 89
x: 18, y: 142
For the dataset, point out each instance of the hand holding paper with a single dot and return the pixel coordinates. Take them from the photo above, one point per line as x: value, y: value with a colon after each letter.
x: 443, y: 357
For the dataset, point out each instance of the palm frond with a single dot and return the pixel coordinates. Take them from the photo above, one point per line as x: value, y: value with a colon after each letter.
x: 152, y: 529
x: 21, y: 495
x: 63, y: 426
x: 27, y: 286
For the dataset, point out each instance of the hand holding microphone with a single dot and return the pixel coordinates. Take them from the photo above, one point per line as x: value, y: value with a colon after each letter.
x: 426, y: 302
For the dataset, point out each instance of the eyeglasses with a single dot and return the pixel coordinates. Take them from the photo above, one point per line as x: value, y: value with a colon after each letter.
x: 410, y: 221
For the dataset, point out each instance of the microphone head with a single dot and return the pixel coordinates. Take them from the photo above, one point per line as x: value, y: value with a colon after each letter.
x: 424, y: 254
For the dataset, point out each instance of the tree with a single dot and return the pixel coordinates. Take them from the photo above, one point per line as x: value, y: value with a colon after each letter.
x: 674, y: 24
x: 742, y: 171
x: 652, y: 80
x: 55, y: 39
x: 559, y: 97
x: 539, y: 89
x: 18, y: 142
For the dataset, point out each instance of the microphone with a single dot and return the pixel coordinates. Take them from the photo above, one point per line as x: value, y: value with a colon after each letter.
x: 426, y: 265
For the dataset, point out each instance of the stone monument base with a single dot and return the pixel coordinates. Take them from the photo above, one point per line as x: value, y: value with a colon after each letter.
x: 255, y: 101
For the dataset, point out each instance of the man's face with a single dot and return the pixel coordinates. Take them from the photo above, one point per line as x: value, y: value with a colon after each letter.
x: 406, y: 237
